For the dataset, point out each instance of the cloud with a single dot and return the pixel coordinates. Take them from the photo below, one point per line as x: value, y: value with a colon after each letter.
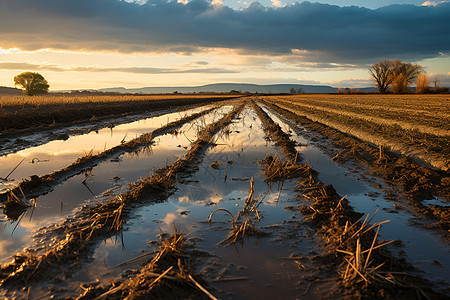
x: 320, y: 32
x: 136, y: 70
x: 277, y: 3
x: 352, y: 82
x: 433, y: 3
x: 442, y: 79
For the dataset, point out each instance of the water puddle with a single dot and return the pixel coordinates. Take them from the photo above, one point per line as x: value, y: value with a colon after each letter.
x: 237, y: 151
x: 423, y: 248
x: 58, y: 154
x: 105, y: 180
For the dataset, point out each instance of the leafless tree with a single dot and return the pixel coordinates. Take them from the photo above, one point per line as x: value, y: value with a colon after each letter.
x: 394, y: 72
x: 382, y: 73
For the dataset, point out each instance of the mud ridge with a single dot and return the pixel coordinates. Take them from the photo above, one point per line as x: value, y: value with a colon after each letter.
x: 168, y: 275
x: 351, y: 249
x: 76, y: 237
x: 417, y: 182
x: 38, y: 185
x: 427, y: 149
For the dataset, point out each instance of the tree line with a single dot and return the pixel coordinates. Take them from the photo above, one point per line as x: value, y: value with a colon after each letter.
x: 396, y: 76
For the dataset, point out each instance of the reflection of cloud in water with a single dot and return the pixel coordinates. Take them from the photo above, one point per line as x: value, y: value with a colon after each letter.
x: 31, y: 224
x: 170, y: 218
x: 184, y: 199
x: 272, y: 198
x: 180, y: 221
x: 4, y: 246
x: 213, y: 198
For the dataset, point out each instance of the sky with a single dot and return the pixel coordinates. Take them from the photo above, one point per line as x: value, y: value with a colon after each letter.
x: 91, y: 44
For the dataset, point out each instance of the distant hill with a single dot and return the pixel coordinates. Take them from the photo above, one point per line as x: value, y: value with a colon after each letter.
x: 368, y: 89
x: 226, y: 88
x: 9, y: 91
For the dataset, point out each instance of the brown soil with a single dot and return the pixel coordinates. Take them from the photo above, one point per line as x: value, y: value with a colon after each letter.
x: 417, y: 182
x: 37, y: 185
x: 166, y: 276
x: 76, y: 237
x: 339, y: 230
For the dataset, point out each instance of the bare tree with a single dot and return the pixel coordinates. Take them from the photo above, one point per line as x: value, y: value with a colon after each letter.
x: 437, y: 83
x: 422, y: 85
x: 404, y: 75
x: 394, y: 72
x: 399, y: 84
x: 382, y: 73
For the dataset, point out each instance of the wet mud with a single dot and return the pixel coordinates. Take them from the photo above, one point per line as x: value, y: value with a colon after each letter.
x: 240, y: 210
x: 416, y: 182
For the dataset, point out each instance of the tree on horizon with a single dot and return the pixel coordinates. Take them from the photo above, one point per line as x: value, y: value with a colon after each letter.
x: 32, y: 83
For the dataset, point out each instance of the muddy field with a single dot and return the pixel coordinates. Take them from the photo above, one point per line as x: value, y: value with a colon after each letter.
x: 247, y: 198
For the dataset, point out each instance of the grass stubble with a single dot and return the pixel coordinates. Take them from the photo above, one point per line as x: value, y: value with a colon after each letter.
x: 407, y: 137
x: 415, y: 182
x: 168, y: 275
x: 77, y: 236
x: 37, y: 185
x: 24, y: 113
x: 350, y: 245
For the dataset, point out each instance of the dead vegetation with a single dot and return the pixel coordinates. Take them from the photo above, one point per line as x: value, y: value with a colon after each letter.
x: 351, y: 246
x: 37, y: 185
x: 417, y: 182
x: 277, y: 170
x: 247, y: 227
x: 104, y: 219
x: 25, y: 113
x: 365, y: 269
x: 277, y: 135
x: 423, y: 143
x: 167, y: 276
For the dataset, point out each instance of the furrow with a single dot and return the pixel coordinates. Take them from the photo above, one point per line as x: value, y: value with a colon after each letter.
x: 78, y: 235
x: 37, y: 185
x: 350, y: 247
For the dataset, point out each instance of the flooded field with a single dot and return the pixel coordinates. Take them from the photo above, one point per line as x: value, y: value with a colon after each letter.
x: 236, y: 200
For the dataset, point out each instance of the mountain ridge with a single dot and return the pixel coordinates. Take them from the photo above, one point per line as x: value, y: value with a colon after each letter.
x: 226, y: 88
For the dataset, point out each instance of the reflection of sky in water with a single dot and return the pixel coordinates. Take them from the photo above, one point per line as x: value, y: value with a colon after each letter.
x: 71, y: 194
x: 58, y: 154
x: 421, y: 246
x: 189, y: 207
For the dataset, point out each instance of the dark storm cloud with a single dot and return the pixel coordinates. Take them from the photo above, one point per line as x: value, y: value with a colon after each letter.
x: 328, y: 33
x: 136, y: 70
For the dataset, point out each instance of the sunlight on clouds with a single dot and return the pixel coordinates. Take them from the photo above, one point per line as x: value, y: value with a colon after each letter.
x: 433, y: 3
x: 300, y: 51
x: 217, y: 2
x: 9, y: 51
x: 277, y: 3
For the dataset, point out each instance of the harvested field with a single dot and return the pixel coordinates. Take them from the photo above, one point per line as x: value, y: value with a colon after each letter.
x: 415, y: 126
x: 251, y: 198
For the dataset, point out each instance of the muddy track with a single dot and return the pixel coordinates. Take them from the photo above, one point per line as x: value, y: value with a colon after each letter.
x: 168, y: 275
x: 76, y: 237
x: 351, y: 249
x: 38, y: 185
x: 417, y: 182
